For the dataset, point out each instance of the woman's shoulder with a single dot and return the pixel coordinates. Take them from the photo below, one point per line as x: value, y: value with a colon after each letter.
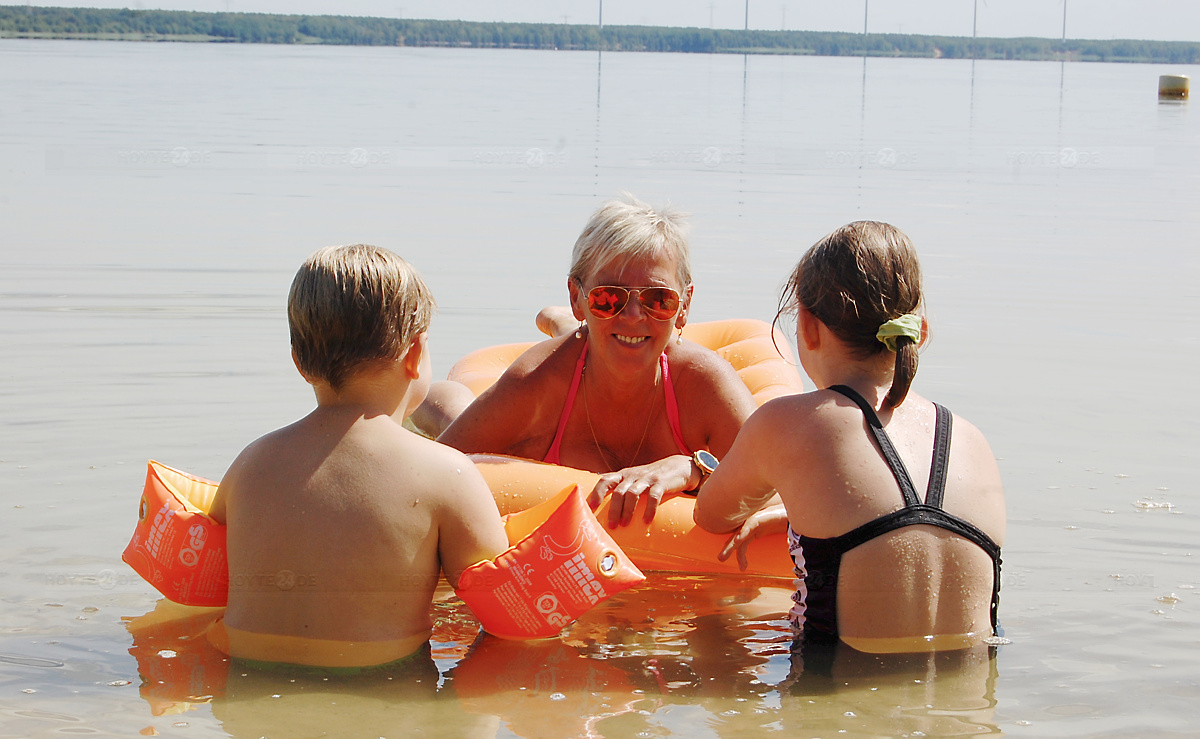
x: 542, y: 366
x: 694, y: 364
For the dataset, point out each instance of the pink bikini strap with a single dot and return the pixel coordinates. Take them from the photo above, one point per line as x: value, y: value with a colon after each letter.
x: 672, y: 406
x: 552, y: 455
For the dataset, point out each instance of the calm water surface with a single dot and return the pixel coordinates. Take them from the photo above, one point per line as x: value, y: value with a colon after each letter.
x: 157, y: 198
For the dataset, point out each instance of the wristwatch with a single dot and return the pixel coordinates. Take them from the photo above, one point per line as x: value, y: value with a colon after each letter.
x: 706, y: 461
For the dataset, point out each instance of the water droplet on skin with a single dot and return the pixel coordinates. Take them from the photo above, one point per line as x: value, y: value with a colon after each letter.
x: 849, y: 714
x: 169, y: 654
x: 557, y: 697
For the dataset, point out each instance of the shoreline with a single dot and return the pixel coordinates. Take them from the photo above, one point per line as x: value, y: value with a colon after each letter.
x: 90, y: 24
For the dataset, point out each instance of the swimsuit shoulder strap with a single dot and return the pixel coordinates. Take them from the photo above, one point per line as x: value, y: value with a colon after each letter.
x: 672, y: 406
x: 941, y: 456
x: 552, y: 454
x: 899, y: 471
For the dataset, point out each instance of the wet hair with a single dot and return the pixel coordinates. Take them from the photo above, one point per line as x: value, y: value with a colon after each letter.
x: 854, y: 280
x: 625, y: 230
x: 353, y: 305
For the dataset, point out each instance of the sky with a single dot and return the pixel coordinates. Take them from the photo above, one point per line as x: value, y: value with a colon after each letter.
x: 1165, y: 20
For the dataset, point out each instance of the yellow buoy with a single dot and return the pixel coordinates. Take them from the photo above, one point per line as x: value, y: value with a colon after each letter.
x: 1173, y: 86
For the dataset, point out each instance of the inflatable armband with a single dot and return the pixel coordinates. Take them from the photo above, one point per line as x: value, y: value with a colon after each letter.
x: 561, y: 565
x: 176, y: 547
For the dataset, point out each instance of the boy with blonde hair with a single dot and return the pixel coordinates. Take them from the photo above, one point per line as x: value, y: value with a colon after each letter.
x: 339, y: 524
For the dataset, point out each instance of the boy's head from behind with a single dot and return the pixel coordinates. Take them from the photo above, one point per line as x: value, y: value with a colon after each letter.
x: 350, y: 306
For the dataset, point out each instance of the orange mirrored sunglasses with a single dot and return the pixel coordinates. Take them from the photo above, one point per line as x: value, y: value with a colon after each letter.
x: 607, y: 301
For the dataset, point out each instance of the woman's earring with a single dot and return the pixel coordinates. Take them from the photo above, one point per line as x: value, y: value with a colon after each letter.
x: 579, y: 331
x: 679, y: 339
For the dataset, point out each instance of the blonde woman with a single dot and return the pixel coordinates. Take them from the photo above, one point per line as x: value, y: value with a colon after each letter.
x: 621, y: 393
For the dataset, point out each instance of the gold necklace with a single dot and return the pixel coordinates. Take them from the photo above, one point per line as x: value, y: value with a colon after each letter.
x: 588, y: 412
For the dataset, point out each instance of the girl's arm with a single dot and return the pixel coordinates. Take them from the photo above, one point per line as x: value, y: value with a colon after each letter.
x: 743, y: 482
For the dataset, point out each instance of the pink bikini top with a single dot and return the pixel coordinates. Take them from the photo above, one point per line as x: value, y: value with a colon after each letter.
x: 552, y: 456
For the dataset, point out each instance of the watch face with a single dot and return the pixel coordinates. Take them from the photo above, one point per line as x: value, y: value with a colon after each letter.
x: 706, y: 461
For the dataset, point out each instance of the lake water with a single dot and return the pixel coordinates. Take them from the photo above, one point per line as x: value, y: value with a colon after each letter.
x: 156, y: 199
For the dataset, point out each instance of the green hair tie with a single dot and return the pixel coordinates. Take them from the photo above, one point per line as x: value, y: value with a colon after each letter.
x: 907, y: 325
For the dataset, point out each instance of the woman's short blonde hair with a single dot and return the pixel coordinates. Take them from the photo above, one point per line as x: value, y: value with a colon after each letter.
x: 625, y: 230
x: 353, y: 305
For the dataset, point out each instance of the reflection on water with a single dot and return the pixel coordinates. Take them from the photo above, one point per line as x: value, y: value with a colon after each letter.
x: 683, y: 654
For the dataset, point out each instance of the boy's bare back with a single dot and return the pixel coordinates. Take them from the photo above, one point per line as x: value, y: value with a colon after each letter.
x: 354, y: 518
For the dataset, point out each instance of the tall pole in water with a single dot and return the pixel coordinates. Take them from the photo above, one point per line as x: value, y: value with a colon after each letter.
x: 747, y: 15
x: 1064, y: 40
x: 975, y: 20
x: 600, y: 24
x: 866, y: 8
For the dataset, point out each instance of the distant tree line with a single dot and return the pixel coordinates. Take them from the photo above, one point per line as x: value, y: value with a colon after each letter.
x: 168, y: 25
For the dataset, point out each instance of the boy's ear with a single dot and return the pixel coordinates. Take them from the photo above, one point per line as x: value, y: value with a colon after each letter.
x: 296, y: 361
x: 414, y: 355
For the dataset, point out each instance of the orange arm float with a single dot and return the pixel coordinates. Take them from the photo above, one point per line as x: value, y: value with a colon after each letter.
x: 176, y: 547
x: 560, y: 565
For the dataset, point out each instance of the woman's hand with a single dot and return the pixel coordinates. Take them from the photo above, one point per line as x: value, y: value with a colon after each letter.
x: 770, y: 520
x: 654, y: 480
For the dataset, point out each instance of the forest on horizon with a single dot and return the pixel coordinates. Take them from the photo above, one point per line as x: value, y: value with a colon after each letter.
x: 21, y: 21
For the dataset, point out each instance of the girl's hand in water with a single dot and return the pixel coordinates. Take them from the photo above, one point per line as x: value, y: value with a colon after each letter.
x: 654, y: 480
x: 770, y: 520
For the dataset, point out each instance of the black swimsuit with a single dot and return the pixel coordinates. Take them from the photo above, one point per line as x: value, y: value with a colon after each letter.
x: 818, y: 560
